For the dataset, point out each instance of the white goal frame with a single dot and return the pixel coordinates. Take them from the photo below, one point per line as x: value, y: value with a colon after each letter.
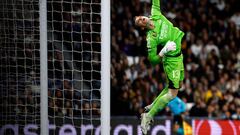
x: 43, y: 68
x: 105, y: 67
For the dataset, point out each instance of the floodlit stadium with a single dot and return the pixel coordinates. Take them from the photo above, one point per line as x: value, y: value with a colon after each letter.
x: 91, y: 67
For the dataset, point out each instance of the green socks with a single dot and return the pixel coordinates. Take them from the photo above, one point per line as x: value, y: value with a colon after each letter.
x: 160, y: 102
x: 164, y: 91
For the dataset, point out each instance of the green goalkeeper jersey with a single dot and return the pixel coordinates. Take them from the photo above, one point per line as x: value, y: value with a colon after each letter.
x: 163, y: 32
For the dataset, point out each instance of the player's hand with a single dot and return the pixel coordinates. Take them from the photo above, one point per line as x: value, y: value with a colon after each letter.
x: 170, y: 46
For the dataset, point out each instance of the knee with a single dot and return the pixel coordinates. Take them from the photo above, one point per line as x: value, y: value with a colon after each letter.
x: 172, y: 93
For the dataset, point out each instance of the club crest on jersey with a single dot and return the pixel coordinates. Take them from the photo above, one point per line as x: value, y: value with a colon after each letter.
x: 154, y: 34
x: 164, y: 31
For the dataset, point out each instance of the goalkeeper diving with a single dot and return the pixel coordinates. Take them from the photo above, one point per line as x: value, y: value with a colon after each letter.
x: 162, y: 34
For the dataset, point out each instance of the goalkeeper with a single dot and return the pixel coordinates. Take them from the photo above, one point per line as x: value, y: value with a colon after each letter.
x: 161, y: 33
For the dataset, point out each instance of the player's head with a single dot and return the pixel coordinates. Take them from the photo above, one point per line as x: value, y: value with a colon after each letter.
x: 142, y: 21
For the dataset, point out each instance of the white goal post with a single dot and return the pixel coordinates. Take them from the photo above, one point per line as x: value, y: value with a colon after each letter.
x: 105, y: 64
x: 43, y: 68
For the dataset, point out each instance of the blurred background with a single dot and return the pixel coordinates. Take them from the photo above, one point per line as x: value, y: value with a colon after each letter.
x: 211, y: 49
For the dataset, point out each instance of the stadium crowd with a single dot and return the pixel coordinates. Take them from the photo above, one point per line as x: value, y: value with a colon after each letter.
x: 211, y: 50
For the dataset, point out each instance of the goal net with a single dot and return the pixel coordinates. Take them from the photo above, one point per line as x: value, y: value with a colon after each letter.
x: 74, y: 66
x: 19, y: 65
x: 74, y: 45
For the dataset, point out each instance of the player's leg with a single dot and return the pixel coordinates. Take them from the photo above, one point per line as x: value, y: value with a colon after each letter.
x: 147, y: 118
x: 163, y: 92
x: 162, y: 102
x: 173, y: 67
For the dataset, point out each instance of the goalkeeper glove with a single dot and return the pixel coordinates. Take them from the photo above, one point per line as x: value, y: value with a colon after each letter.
x: 170, y: 46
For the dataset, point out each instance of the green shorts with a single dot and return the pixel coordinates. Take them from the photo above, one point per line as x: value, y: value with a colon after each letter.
x: 174, y: 69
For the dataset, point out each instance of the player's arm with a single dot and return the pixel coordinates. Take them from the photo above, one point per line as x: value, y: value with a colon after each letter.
x: 153, y: 56
x: 155, y: 11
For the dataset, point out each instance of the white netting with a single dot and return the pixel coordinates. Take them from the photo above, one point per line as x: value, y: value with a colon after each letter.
x: 73, y: 65
x: 19, y: 64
